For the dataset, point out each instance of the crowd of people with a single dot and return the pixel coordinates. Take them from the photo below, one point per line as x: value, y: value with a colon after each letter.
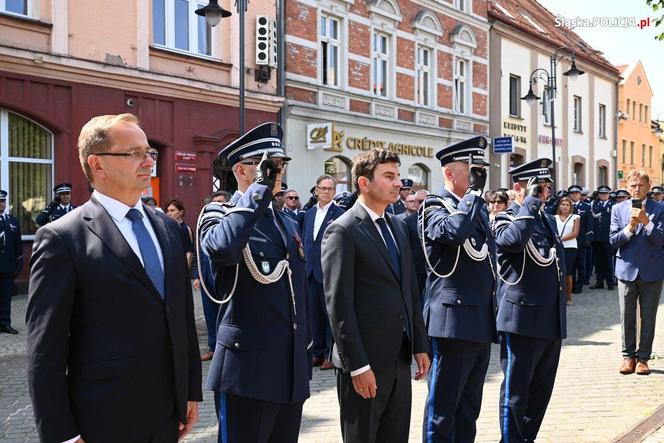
x: 362, y: 282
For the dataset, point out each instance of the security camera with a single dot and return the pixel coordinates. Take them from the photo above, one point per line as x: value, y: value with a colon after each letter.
x: 131, y: 102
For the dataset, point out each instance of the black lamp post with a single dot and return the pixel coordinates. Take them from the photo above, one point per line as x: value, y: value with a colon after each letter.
x: 549, y: 78
x: 213, y: 13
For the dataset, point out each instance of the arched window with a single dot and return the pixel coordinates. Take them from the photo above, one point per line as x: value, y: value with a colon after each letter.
x: 603, y: 176
x: 579, y: 177
x: 26, y: 168
x: 419, y: 174
x: 340, y: 168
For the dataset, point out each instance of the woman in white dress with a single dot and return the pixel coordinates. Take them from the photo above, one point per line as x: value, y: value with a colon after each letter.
x: 568, y: 229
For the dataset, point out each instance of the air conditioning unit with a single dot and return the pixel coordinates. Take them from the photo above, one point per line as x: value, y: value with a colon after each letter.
x: 266, y: 41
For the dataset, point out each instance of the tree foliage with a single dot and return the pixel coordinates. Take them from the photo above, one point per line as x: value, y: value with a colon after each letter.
x: 658, y: 7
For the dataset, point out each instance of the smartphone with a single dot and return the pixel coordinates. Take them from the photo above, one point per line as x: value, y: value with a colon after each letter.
x: 636, y: 203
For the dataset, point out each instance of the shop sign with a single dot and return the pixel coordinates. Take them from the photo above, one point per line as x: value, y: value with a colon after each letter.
x: 365, y: 144
x: 319, y: 136
x: 517, y: 131
x: 547, y: 140
x: 185, y: 156
x: 185, y: 168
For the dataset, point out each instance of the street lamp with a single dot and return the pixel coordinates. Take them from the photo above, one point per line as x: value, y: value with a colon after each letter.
x: 549, y: 78
x: 213, y: 13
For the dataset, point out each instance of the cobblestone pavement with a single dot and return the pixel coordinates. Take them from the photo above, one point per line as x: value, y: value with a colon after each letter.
x: 591, y: 402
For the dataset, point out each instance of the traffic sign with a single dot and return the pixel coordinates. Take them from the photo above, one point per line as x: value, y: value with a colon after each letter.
x: 503, y: 145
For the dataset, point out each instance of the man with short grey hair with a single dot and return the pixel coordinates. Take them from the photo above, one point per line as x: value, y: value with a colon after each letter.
x: 637, y: 233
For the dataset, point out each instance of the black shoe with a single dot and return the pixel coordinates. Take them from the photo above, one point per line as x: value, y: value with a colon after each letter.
x: 610, y: 287
x: 576, y: 291
x: 597, y: 285
x: 8, y: 330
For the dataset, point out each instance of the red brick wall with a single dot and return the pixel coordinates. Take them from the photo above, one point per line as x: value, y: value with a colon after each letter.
x: 444, y: 62
x: 360, y: 106
x: 479, y: 104
x: 405, y: 53
x: 479, y: 75
x: 301, y: 60
x: 358, y: 75
x: 407, y: 116
x: 445, y: 122
x: 301, y: 20
x: 360, y: 39
x: 445, y: 96
x: 405, y: 86
x: 301, y: 95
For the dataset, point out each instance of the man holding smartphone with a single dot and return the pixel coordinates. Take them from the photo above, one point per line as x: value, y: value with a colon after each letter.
x: 637, y: 233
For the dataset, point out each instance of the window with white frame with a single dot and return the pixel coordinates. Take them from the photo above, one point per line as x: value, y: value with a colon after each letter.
x: 26, y: 168
x: 461, y: 85
x: 650, y: 156
x: 329, y: 50
x: 461, y: 5
x: 546, y: 106
x: 424, y: 76
x: 515, y: 95
x: 380, y: 59
x: 643, y: 154
x: 176, y: 26
x: 20, y: 7
x: 577, y: 114
x: 602, y: 121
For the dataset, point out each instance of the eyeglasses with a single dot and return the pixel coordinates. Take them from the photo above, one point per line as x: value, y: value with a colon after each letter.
x: 323, y: 189
x: 290, y: 197
x: 496, y: 202
x: 138, y: 154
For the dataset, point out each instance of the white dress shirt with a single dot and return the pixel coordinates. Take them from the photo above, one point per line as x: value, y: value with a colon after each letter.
x: 320, y: 216
x: 374, y: 217
x: 118, y: 212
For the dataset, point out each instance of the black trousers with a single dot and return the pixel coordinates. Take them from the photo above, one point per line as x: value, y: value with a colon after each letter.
x: 247, y: 420
x: 6, y: 289
x: 529, y: 365
x: 166, y: 434
x: 603, y: 256
x: 456, y: 380
x: 580, y: 268
x: 384, y: 419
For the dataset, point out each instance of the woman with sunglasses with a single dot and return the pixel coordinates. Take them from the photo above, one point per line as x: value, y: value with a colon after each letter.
x: 497, y: 202
x: 568, y: 229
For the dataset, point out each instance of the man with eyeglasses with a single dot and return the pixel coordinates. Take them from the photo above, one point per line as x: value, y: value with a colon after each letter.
x: 60, y: 205
x: 260, y: 369
x: 315, y: 222
x: 292, y: 204
x: 112, y: 350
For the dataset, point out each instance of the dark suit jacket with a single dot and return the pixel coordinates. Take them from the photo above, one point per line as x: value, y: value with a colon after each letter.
x: 416, y: 249
x: 365, y: 298
x: 107, y: 358
x: 11, y: 248
x: 311, y: 246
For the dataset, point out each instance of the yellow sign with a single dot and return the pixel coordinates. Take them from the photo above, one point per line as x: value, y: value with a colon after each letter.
x: 365, y: 144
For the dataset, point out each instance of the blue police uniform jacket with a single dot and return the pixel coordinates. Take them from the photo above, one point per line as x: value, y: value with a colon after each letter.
x: 531, y: 299
x: 459, y: 300
x: 312, y: 246
x: 11, y: 252
x: 641, y: 255
x: 582, y: 209
x: 397, y: 207
x: 47, y: 216
x: 262, y: 333
x: 601, y: 213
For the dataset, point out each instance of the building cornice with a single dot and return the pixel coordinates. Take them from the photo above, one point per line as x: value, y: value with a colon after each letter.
x: 69, y: 69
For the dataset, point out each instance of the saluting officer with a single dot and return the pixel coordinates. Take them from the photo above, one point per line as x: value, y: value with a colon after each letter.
x: 60, y: 205
x: 585, y: 237
x: 11, y: 262
x: 399, y: 207
x: 602, y: 255
x: 531, y: 303
x: 260, y: 369
x: 658, y: 194
x: 460, y: 304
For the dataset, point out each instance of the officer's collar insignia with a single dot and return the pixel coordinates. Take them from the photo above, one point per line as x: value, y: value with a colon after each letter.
x: 265, y: 266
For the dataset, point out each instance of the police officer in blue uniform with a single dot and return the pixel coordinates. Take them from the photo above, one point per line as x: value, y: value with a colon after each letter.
x: 658, y: 194
x: 11, y: 262
x: 585, y: 237
x: 260, y: 369
x: 531, y: 303
x: 602, y: 253
x: 60, y: 205
x: 460, y: 304
x: 399, y: 207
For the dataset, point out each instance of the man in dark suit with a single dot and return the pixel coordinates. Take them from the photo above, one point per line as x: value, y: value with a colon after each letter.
x: 637, y: 233
x: 315, y: 222
x: 11, y: 262
x: 373, y: 303
x: 60, y: 205
x: 292, y: 204
x: 585, y: 237
x: 260, y: 369
x: 460, y: 303
x: 112, y: 351
x: 532, y: 305
x: 602, y: 253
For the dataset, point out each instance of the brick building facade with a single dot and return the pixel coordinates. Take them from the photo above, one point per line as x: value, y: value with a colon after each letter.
x: 406, y: 75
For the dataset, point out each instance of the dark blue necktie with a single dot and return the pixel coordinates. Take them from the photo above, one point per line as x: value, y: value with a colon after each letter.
x: 391, y: 246
x: 148, y: 250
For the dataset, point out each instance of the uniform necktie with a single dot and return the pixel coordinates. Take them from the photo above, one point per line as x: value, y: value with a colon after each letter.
x: 272, y: 228
x: 391, y: 246
x: 148, y: 250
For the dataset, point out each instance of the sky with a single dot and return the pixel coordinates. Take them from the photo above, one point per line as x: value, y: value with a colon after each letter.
x: 620, y: 46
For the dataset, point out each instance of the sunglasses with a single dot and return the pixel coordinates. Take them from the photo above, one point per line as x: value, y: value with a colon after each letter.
x: 290, y: 197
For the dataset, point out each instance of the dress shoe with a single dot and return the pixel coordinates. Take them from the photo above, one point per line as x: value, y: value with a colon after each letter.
x: 597, y: 285
x: 610, y: 287
x: 207, y: 356
x: 317, y: 361
x: 628, y: 366
x: 576, y: 291
x: 327, y: 364
x: 642, y: 368
x: 8, y: 330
